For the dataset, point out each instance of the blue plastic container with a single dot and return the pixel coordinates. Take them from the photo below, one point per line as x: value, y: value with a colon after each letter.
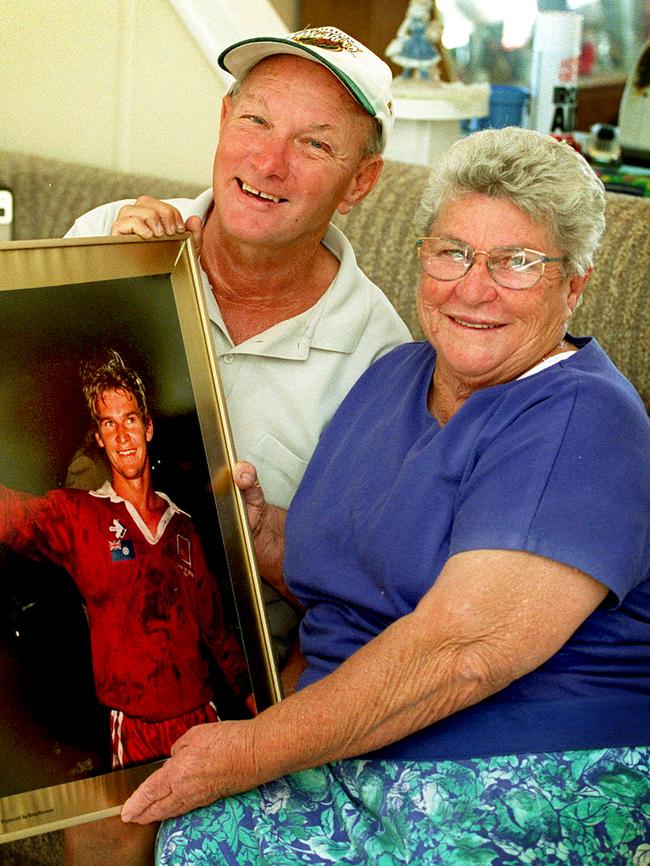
x: 508, y: 104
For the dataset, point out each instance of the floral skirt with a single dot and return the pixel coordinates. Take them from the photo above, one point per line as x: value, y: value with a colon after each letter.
x: 584, y: 808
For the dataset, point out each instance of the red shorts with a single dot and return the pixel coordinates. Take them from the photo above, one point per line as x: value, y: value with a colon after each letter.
x: 135, y: 741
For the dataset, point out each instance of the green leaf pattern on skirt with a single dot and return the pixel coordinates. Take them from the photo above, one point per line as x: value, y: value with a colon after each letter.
x: 584, y: 808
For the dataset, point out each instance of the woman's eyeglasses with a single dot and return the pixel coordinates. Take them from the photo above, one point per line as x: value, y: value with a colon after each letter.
x: 511, y: 267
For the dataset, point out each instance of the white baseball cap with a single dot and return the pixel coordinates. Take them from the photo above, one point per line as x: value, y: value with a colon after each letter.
x: 364, y: 74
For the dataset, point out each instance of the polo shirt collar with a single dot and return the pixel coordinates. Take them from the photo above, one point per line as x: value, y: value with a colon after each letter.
x: 328, y: 325
x: 107, y: 491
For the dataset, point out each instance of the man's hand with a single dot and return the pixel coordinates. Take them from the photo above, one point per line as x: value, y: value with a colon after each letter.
x: 267, y: 526
x: 149, y: 217
x: 208, y: 762
x: 245, y: 477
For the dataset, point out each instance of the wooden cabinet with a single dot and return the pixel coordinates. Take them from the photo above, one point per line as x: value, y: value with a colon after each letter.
x: 599, y: 100
x: 374, y: 22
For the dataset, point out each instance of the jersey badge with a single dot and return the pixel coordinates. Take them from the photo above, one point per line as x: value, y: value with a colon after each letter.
x: 184, y: 549
x: 121, y: 550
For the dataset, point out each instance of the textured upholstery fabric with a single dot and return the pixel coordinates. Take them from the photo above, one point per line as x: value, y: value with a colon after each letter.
x: 381, y: 231
x: 617, y: 299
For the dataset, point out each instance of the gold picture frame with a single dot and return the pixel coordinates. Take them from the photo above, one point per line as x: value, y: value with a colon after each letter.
x: 58, y: 300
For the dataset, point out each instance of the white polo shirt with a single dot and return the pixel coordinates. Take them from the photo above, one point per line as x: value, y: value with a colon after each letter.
x: 282, y: 386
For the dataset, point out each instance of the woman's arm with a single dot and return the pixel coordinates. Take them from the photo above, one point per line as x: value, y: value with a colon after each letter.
x: 491, y: 617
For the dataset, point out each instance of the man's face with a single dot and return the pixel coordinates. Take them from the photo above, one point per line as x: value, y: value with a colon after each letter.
x: 289, y: 154
x: 123, y: 433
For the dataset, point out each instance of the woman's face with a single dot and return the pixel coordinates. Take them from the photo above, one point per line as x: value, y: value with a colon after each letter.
x: 485, y: 334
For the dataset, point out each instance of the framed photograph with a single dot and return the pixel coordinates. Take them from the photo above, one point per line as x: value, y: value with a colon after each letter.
x: 129, y: 591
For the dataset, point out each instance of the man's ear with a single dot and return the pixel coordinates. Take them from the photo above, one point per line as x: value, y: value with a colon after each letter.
x: 148, y: 430
x: 226, y: 106
x: 99, y: 440
x: 363, y: 181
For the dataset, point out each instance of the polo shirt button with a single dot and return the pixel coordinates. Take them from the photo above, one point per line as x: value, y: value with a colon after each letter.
x: 227, y: 359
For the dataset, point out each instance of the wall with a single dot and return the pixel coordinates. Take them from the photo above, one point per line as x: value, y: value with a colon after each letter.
x: 117, y: 84
x: 289, y: 11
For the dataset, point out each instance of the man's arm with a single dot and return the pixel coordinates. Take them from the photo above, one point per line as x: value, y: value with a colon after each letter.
x: 32, y: 525
x: 19, y: 517
x: 98, y: 221
x: 491, y: 617
x: 294, y: 665
x: 224, y: 646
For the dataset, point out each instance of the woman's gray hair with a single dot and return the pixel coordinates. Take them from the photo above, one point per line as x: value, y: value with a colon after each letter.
x: 544, y: 177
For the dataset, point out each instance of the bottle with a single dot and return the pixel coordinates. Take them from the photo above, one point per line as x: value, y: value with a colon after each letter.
x: 554, y: 72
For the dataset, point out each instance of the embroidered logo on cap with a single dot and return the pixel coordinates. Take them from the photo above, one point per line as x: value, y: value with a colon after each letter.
x: 326, y: 37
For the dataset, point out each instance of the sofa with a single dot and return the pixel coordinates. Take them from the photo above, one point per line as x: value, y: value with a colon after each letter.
x: 49, y: 194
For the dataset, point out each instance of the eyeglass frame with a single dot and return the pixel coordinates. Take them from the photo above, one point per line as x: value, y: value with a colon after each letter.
x: 544, y: 260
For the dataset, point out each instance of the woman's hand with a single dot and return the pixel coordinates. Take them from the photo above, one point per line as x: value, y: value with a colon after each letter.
x: 149, y: 217
x: 207, y: 762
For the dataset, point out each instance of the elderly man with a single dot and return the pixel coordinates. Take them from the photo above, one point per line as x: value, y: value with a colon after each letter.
x: 295, y: 321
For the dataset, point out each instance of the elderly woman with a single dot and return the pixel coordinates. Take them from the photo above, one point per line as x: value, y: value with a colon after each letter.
x: 471, y: 546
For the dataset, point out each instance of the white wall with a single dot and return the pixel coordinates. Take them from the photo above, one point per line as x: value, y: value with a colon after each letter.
x: 113, y: 83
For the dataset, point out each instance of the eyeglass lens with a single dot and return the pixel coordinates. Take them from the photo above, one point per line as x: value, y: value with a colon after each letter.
x: 511, y: 267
